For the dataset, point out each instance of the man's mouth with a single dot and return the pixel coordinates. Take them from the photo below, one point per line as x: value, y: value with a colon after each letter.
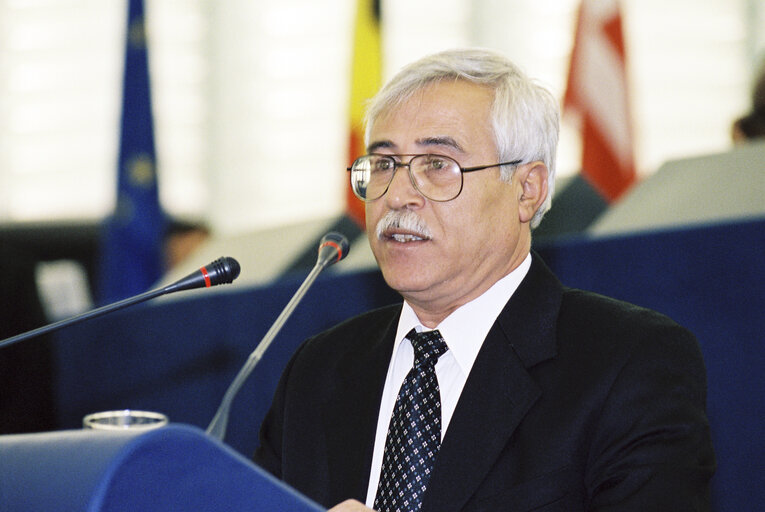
x: 405, y: 237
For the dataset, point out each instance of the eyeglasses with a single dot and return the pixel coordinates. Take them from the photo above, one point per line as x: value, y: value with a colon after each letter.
x: 437, y: 177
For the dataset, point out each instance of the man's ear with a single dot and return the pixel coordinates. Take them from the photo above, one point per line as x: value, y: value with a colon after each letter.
x: 532, y: 178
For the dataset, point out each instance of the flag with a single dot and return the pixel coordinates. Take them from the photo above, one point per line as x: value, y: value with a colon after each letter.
x: 597, y: 94
x: 366, y: 72
x: 131, y: 252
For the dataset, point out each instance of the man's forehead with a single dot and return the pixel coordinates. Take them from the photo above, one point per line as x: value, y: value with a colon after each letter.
x: 448, y: 117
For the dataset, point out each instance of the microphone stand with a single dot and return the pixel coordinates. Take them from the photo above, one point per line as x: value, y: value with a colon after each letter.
x: 219, y: 423
x: 222, y: 270
x: 85, y: 316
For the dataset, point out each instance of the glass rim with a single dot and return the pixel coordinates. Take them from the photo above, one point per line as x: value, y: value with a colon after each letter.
x: 354, y: 169
x: 155, y: 419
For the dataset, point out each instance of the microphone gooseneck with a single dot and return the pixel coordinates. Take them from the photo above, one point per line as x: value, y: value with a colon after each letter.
x: 221, y: 271
x: 332, y: 248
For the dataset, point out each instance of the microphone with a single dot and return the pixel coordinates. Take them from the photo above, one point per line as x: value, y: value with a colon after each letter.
x: 333, y: 247
x: 221, y: 271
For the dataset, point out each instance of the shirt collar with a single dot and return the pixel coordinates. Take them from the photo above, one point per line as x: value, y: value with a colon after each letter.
x: 466, y: 327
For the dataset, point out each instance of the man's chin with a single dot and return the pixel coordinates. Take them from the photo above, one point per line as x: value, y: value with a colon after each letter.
x: 408, y: 283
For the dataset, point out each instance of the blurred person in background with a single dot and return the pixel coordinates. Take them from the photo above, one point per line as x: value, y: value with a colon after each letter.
x: 752, y: 125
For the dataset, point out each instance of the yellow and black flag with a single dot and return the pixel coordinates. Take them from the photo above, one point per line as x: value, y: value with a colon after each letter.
x: 365, y: 81
x: 366, y: 72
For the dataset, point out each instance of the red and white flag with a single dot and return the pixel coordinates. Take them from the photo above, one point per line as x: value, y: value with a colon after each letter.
x: 597, y: 94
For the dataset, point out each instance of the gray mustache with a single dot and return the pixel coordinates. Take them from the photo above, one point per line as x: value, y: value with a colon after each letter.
x: 407, y: 220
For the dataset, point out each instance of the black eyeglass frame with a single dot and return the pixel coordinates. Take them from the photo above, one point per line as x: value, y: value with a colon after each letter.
x: 408, y: 165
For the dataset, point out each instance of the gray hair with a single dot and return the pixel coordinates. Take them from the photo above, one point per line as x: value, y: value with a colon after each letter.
x: 525, y: 116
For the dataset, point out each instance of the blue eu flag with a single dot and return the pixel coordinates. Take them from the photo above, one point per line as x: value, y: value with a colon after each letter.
x: 131, y: 252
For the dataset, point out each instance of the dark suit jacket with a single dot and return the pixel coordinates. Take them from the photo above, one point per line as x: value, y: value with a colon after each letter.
x: 575, y: 402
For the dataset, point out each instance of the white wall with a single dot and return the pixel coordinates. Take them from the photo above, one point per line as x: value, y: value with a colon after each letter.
x: 250, y: 96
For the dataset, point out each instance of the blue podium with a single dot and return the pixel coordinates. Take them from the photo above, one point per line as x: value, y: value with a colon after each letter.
x: 173, y: 468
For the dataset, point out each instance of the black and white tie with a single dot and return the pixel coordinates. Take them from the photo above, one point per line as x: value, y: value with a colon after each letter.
x: 414, y: 433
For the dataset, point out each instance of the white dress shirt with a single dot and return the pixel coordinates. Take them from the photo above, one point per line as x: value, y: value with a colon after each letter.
x: 463, y: 331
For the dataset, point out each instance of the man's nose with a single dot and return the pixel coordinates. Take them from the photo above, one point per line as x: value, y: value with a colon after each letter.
x: 401, y: 191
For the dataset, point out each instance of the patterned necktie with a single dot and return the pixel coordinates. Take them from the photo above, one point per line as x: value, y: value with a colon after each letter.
x: 414, y: 434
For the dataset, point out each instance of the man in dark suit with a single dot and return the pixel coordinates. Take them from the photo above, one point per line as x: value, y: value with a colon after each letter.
x: 492, y: 387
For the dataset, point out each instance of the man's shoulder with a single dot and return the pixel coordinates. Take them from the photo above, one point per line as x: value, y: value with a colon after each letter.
x: 354, y: 339
x: 373, y: 323
x: 585, y: 311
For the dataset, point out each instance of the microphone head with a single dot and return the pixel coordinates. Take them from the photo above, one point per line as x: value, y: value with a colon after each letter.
x: 332, y: 248
x: 221, y: 271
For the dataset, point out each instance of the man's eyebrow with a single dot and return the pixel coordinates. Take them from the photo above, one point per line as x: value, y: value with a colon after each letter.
x: 380, y: 144
x: 443, y: 141
x: 440, y: 141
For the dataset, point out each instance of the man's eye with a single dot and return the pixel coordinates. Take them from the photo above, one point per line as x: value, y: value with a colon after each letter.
x: 384, y: 164
x: 436, y: 164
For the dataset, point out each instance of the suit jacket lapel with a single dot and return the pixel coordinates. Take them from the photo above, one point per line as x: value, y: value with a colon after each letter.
x: 498, y: 392
x: 350, y: 417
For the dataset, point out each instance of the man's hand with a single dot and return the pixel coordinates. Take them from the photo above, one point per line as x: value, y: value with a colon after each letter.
x: 350, y: 506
